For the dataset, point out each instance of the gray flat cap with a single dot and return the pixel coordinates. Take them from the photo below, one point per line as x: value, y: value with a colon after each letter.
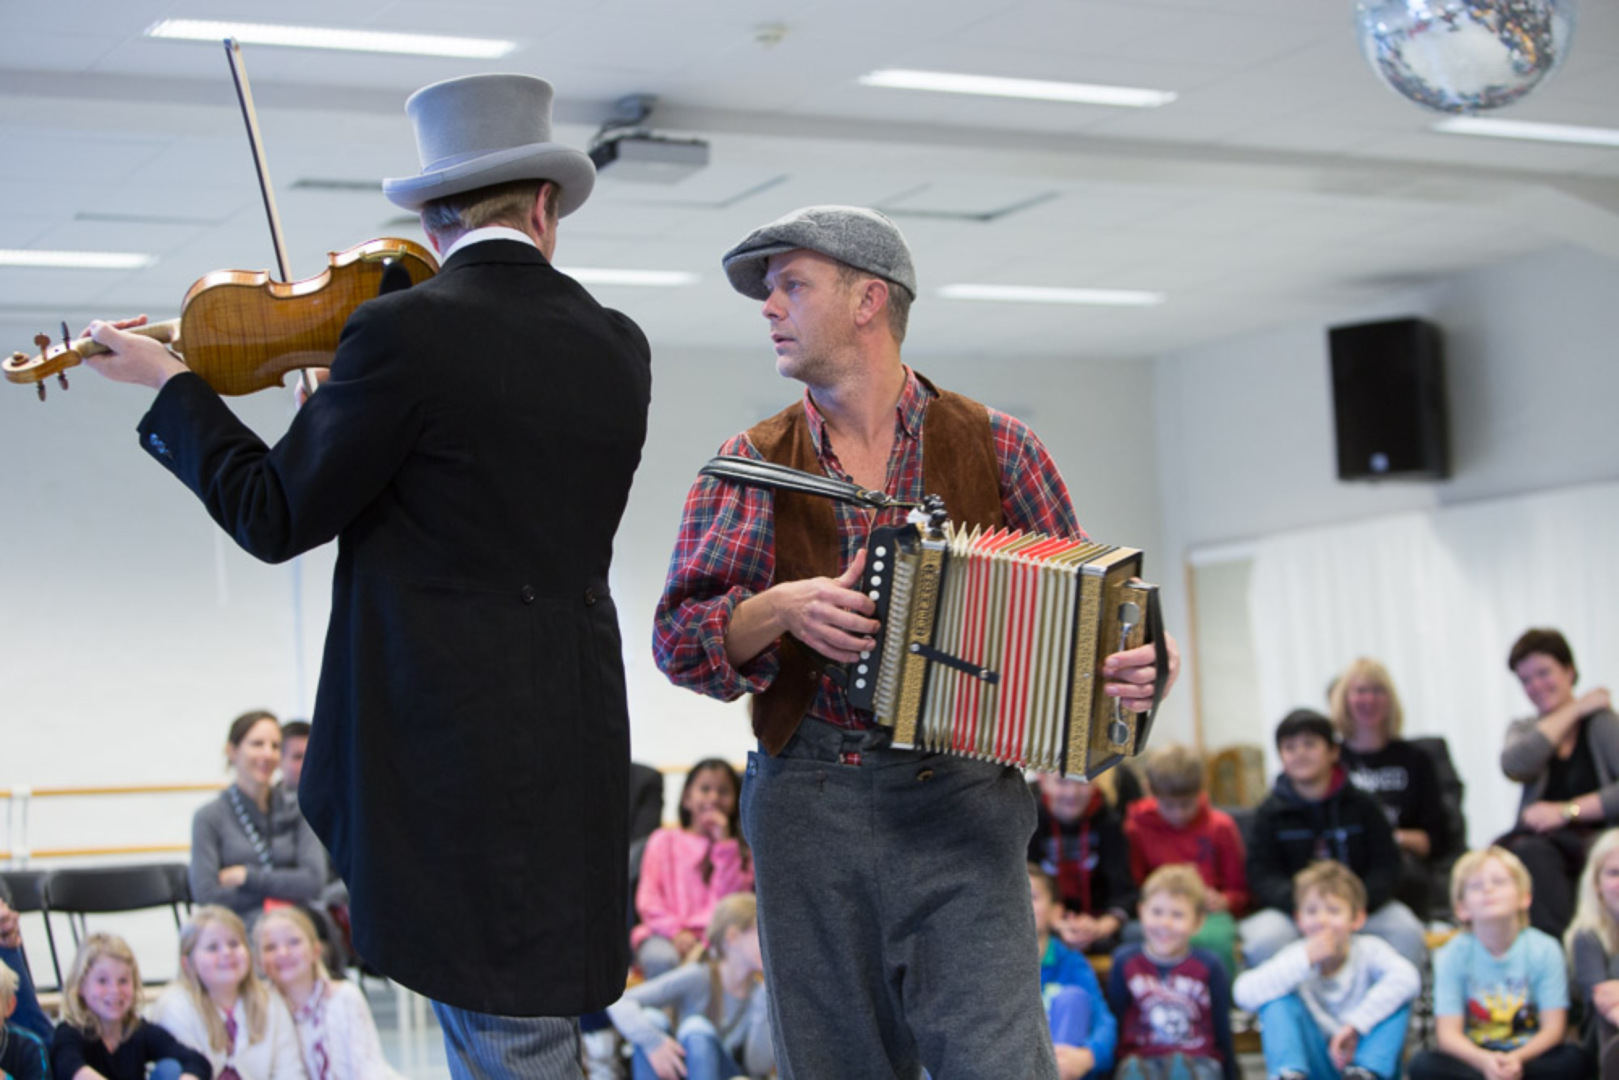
x: 864, y: 239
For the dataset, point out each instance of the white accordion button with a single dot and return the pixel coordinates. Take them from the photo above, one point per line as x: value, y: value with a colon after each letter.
x: 882, y: 552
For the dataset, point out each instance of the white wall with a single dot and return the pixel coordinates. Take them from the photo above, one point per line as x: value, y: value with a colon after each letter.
x: 134, y: 630
x: 1245, y: 426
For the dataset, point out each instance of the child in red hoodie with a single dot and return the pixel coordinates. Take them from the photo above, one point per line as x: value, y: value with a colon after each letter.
x: 1177, y: 825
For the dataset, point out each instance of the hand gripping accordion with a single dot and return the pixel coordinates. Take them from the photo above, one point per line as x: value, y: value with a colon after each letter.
x: 992, y: 641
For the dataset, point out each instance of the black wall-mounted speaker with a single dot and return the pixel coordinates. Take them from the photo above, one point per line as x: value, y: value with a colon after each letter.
x: 1388, y: 399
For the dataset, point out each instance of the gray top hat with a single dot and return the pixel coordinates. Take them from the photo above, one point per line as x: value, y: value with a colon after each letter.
x: 864, y: 239
x: 487, y: 129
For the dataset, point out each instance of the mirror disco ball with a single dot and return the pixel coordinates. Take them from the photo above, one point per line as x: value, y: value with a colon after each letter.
x: 1464, y: 56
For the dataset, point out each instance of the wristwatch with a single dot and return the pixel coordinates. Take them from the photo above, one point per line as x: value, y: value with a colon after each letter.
x: 1571, y: 810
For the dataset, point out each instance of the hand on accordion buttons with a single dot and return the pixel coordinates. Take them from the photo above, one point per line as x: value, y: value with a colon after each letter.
x: 828, y: 614
x: 1130, y: 674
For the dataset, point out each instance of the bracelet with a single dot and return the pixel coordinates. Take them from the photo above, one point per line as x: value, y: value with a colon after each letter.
x: 1571, y: 810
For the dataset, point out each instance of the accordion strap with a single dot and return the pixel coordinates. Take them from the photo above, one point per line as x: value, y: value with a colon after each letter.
x: 767, y: 474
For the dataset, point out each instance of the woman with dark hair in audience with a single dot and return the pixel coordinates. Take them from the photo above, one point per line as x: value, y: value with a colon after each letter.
x: 251, y: 847
x: 1366, y: 711
x: 1567, y: 759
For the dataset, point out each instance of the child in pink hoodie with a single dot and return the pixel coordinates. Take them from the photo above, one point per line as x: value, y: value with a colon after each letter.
x: 686, y: 871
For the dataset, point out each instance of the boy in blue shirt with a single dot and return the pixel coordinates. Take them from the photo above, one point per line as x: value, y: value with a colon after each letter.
x: 1083, y: 1030
x: 1500, y: 986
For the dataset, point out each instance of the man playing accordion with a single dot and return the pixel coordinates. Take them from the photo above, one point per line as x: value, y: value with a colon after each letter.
x: 893, y: 898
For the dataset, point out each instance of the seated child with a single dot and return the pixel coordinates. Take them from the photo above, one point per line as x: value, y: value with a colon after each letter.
x: 1337, y: 1002
x: 1173, y: 1000
x: 1079, y: 841
x: 22, y: 1053
x: 334, y: 1023
x: 1593, y: 950
x: 1083, y: 1030
x: 1177, y: 825
x: 685, y: 871
x: 1315, y: 813
x: 102, y: 1033
x: 219, y: 1007
x: 721, y: 1016
x: 26, y: 1012
x: 1500, y: 990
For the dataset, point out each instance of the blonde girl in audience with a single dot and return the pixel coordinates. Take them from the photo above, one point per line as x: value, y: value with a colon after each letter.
x: 219, y: 1006
x: 102, y: 1034
x: 685, y: 871
x: 335, y: 1028
x: 1593, y: 949
x: 717, y: 1004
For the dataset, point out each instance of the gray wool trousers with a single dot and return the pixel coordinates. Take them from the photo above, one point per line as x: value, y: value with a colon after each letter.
x: 894, y: 911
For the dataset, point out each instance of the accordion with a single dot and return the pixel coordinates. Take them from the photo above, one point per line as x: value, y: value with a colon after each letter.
x: 992, y: 641
x: 992, y: 644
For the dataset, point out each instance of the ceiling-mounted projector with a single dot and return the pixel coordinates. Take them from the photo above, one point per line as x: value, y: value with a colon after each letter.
x: 634, y: 153
x: 649, y: 158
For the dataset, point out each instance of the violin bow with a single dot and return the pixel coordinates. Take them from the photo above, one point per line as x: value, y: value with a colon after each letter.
x: 244, y: 94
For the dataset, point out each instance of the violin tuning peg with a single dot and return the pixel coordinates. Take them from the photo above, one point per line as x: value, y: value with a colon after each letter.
x: 61, y: 379
x: 67, y: 338
x: 40, y: 386
x: 43, y: 341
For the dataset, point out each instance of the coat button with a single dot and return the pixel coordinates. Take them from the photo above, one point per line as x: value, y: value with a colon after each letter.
x: 527, y: 594
x: 590, y: 596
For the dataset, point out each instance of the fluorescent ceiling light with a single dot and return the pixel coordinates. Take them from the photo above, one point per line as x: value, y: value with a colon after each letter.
x: 992, y: 86
x: 1041, y: 294
x: 326, y: 37
x: 1528, y: 129
x: 77, y: 260
x: 664, y: 279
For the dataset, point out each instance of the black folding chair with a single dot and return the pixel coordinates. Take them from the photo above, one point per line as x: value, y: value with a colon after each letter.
x: 102, y: 890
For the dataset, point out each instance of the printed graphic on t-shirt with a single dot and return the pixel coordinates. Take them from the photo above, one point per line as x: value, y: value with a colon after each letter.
x: 1171, y: 1012
x: 1069, y: 849
x: 1502, y: 1017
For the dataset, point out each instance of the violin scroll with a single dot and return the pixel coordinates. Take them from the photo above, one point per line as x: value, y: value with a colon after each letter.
x: 54, y: 358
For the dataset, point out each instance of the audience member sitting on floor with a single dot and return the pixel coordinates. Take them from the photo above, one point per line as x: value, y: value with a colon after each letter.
x: 1567, y: 759
x: 335, y: 1028
x: 1593, y: 951
x: 1079, y: 840
x: 1337, y: 1002
x: 1314, y: 813
x: 1500, y: 988
x: 24, y: 1010
x: 716, y: 1005
x: 1366, y: 711
x: 102, y: 1035
x: 1172, y: 1001
x: 1177, y: 825
x: 686, y: 871
x: 251, y: 845
x: 23, y: 1054
x: 217, y: 1004
x: 1083, y: 1030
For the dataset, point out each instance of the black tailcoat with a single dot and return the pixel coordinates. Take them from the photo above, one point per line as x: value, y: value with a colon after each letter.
x: 468, y: 767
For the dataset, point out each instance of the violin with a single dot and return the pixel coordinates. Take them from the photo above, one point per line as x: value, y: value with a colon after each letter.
x: 244, y: 332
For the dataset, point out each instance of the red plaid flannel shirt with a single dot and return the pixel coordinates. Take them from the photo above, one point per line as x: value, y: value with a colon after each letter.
x: 726, y: 549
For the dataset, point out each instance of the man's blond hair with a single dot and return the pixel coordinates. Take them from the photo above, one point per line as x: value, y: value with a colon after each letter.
x: 1178, y: 879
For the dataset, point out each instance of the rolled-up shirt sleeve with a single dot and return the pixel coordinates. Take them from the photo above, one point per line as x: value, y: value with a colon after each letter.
x: 724, y: 555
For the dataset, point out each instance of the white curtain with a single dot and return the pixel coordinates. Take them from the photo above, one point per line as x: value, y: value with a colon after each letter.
x: 1439, y: 597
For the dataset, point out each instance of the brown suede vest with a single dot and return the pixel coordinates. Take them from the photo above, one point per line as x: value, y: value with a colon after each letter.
x: 958, y: 462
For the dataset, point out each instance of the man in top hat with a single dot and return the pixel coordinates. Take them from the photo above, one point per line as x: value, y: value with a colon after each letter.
x: 472, y: 452
x: 893, y: 896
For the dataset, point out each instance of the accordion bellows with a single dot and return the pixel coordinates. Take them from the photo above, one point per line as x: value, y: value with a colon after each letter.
x: 993, y: 642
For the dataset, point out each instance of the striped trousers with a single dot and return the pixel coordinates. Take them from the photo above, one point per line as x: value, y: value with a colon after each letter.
x: 482, y: 1046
